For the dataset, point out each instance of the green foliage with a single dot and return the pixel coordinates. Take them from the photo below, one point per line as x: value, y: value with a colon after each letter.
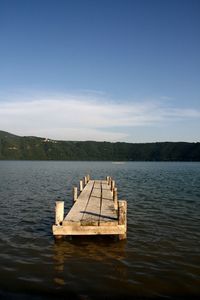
x: 34, y: 148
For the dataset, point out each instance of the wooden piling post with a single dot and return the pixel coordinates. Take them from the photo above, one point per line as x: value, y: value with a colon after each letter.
x: 75, y: 193
x: 81, y: 185
x: 88, y: 178
x: 112, y: 185
x: 115, y: 198
x: 122, y: 217
x: 59, y: 212
x: 107, y: 179
x: 84, y: 181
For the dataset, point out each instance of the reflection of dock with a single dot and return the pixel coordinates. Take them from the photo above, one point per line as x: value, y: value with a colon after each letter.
x: 74, y: 268
x: 96, y: 211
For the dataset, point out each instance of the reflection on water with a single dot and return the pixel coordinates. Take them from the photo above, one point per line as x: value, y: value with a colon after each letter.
x: 96, y: 248
x: 160, y: 258
x: 96, y: 260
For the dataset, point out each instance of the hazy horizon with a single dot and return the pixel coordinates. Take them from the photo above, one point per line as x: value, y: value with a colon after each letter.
x: 47, y: 138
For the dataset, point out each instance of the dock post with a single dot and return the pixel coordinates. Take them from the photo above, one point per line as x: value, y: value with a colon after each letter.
x: 115, y: 198
x: 112, y: 185
x: 81, y: 185
x: 84, y: 181
x: 122, y: 217
x: 107, y: 179
x: 88, y: 178
x: 75, y: 193
x: 59, y: 212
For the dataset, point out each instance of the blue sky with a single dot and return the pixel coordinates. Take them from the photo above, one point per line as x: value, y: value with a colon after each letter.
x: 101, y: 70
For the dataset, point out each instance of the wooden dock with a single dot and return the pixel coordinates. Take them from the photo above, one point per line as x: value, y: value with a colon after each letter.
x: 95, y: 211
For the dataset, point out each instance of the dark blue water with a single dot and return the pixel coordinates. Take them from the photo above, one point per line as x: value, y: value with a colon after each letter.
x: 160, y: 258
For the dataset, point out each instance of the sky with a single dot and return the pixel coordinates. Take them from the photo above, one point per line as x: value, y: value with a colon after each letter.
x: 104, y: 70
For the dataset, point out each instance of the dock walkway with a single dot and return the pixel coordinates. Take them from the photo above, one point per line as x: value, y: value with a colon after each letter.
x: 96, y: 211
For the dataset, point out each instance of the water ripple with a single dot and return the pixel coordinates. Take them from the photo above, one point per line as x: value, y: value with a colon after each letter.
x: 159, y: 259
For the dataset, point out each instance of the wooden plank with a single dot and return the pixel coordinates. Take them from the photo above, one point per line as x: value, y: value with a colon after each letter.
x: 92, y: 210
x: 105, y: 185
x: 78, y: 209
x: 108, y: 213
x: 88, y: 230
x: 101, y: 181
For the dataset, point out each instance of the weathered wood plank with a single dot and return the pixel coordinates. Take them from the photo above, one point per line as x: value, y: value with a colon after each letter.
x: 105, y: 185
x: 92, y: 210
x: 87, y: 230
x: 108, y: 213
x: 78, y: 209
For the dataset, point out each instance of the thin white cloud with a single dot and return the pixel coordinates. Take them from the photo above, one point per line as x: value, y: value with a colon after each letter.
x: 81, y: 118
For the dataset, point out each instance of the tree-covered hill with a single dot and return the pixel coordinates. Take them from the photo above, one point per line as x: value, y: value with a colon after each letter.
x: 13, y: 147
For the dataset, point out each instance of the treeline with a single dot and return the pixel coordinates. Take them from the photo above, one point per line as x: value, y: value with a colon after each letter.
x: 14, y: 147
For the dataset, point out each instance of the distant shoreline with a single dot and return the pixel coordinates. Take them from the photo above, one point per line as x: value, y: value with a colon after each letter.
x: 14, y: 147
x: 103, y: 161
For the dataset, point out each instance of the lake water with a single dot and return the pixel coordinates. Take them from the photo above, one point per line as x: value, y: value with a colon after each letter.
x: 160, y: 258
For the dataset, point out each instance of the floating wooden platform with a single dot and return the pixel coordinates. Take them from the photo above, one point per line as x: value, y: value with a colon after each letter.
x: 96, y: 211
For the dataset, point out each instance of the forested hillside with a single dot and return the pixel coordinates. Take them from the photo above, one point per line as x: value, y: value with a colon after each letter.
x: 14, y: 147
